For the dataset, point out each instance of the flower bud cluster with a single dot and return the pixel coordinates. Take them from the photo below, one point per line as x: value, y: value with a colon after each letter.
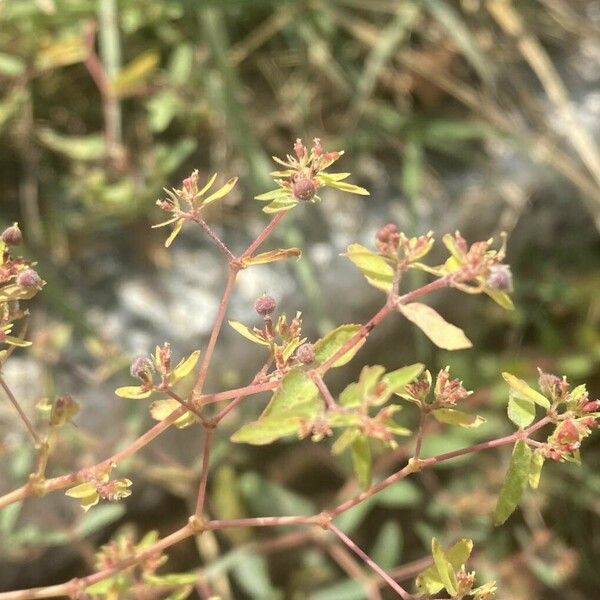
x: 448, y: 392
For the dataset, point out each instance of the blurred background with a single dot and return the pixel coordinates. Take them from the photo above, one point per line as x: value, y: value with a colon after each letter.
x: 476, y: 115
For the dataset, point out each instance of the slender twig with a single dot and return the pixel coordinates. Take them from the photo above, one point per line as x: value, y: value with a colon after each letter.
x: 322, y: 386
x: 420, y: 432
x: 369, y: 561
x: 262, y: 236
x: 36, y: 438
x: 231, y: 259
x: 203, y: 371
x: 183, y: 402
x: 208, y: 436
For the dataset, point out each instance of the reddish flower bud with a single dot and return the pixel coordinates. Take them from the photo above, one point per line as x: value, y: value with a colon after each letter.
x: 386, y: 233
x: 12, y: 235
x: 29, y: 278
x: 306, y: 353
x: 549, y: 384
x: 304, y: 188
x: 591, y: 406
x: 317, y: 148
x: 500, y: 278
x: 299, y: 149
x: 265, y: 305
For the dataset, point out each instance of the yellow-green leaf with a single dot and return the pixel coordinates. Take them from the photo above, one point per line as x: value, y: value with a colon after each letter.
x: 184, y: 367
x: 535, y: 468
x: 297, y: 396
x: 444, y: 568
x: 398, y: 379
x: 266, y: 430
x: 68, y: 51
x: 178, y: 225
x: 328, y: 345
x: 222, y: 191
x: 161, y: 409
x: 134, y: 392
x: 435, y: 327
x: 272, y: 256
x: 451, y: 416
x: 342, y: 185
x: 280, y: 205
x: 501, y: 298
x: 429, y: 581
x: 362, y: 461
x: 378, y: 272
x: 207, y: 186
x: 521, y: 389
x: 515, y: 482
x: 274, y: 194
x: 82, y: 490
x: 248, y: 333
x: 135, y: 73
x: 521, y: 411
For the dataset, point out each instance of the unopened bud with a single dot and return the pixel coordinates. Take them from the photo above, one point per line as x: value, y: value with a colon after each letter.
x: 141, y: 368
x: 299, y: 149
x: 500, y: 278
x: 385, y: 233
x: 29, y: 278
x: 304, y: 188
x: 12, y: 235
x: 306, y: 354
x: 265, y: 305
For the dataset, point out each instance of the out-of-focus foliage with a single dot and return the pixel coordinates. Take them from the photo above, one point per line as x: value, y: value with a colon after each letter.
x: 104, y: 103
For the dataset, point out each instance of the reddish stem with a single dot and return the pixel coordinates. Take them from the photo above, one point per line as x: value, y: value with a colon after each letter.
x: 208, y: 437
x: 369, y: 561
x: 262, y: 236
x: 212, y: 342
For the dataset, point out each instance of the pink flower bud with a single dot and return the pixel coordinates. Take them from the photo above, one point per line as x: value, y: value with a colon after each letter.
x: 306, y: 354
x: 299, y: 149
x: 500, y: 278
x: 12, y: 235
x: 386, y: 232
x: 142, y: 368
x: 29, y: 278
x: 265, y: 305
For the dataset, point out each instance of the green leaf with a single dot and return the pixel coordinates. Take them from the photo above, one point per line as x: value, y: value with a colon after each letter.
x: 521, y: 411
x: 266, y: 430
x: 274, y: 194
x: 362, y: 461
x: 535, y: 469
x: 185, y: 367
x: 444, y: 568
x: 396, y: 380
x: 387, y: 547
x: 350, y: 396
x: 344, y: 441
x: 296, y: 400
x: 61, y: 52
x: 297, y: 396
x: 451, y: 416
x: 248, y: 333
x: 272, y: 256
x: 328, y: 345
x: 515, y: 482
x: 378, y: 272
x: 135, y: 73
x: 429, y: 580
x: 521, y: 389
x: 222, y: 191
x: 435, y: 327
x: 280, y: 205
x: 134, y: 392
x: 77, y: 148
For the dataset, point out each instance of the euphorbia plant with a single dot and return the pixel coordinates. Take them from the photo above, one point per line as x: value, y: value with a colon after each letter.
x: 550, y: 423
